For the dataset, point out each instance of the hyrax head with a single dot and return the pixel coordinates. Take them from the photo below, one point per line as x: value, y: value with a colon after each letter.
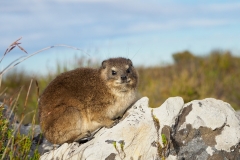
x: 119, y: 74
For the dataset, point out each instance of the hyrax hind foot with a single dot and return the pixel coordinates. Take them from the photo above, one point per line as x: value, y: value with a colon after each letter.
x: 87, y: 137
x: 113, y: 123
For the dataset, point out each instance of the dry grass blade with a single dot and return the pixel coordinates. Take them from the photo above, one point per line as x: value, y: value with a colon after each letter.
x: 11, y: 64
x: 37, y: 88
x: 29, y: 88
x: 15, y: 102
x: 4, y: 91
x: 63, y: 45
x: 22, y: 49
x: 11, y: 47
x: 8, y: 50
x: 16, y: 42
x: 25, y: 103
x: 44, y: 49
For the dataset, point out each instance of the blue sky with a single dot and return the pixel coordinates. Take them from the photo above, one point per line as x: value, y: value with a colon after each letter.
x: 151, y: 30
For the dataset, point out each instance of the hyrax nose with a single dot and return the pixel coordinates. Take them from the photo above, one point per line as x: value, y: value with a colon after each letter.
x: 123, y: 78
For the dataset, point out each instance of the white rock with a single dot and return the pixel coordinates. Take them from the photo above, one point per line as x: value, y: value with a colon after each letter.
x: 230, y: 135
x: 171, y: 157
x: 210, y: 150
x: 136, y: 131
x: 135, y: 136
x: 29, y: 128
x: 214, y: 114
x: 169, y: 111
x: 204, y: 114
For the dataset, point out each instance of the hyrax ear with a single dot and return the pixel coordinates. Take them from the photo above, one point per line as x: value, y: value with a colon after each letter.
x: 130, y: 62
x: 104, y: 64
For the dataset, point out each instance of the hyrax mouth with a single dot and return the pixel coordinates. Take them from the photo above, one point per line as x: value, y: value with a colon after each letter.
x: 123, y: 82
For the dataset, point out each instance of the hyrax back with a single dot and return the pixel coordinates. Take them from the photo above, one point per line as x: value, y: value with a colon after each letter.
x: 80, y: 101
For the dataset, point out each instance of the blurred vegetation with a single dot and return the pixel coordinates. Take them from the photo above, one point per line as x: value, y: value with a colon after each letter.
x: 191, y: 77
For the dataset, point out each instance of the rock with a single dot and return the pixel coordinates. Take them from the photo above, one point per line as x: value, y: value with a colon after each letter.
x: 7, y: 113
x: 238, y: 112
x: 201, y: 129
x: 25, y: 129
x: 38, y: 141
x: 206, y: 129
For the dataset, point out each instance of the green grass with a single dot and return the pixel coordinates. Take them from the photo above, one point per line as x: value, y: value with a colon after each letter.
x: 14, y: 145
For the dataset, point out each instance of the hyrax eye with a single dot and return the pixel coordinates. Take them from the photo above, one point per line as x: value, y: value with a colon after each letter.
x: 128, y: 70
x: 114, y: 72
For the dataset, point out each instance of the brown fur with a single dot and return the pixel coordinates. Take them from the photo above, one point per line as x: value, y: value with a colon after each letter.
x: 80, y: 101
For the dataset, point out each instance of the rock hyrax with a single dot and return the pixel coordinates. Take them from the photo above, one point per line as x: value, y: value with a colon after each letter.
x: 78, y: 102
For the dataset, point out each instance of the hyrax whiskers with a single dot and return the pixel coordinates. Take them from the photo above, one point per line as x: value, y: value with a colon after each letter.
x: 80, y: 101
